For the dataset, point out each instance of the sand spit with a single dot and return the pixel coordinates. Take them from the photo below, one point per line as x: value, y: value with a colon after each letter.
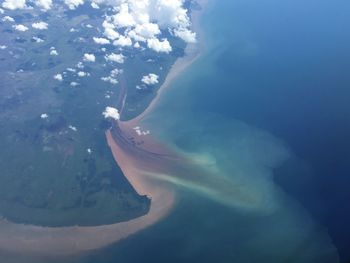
x: 137, y: 164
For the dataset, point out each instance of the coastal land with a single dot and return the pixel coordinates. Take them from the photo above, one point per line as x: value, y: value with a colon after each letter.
x: 141, y: 164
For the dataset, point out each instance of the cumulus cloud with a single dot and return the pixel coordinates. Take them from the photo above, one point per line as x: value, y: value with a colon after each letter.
x: 53, y: 52
x: 110, y: 33
x: 38, y: 39
x: 123, y: 41
x: 58, y: 77
x: 124, y: 18
x: 89, y: 57
x: 73, y: 128
x: 143, y: 20
x: 20, y: 27
x: 159, y: 45
x: 150, y: 79
x: 83, y: 74
x: 73, y: 4
x: 110, y: 79
x: 115, y: 72
x: 14, y: 4
x: 44, y: 4
x: 95, y: 6
x: 145, y: 31
x: 8, y: 19
x: 40, y: 25
x: 186, y: 35
x: 119, y: 58
x: 137, y: 45
x: 80, y: 65
x: 136, y: 20
x: 101, y: 40
x: 112, y: 113
x: 44, y: 116
x: 2, y: 47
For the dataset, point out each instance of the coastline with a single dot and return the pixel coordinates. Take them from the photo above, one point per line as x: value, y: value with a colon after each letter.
x: 192, y: 53
x: 67, y: 241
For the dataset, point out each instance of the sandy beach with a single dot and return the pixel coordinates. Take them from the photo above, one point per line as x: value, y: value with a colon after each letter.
x: 137, y: 164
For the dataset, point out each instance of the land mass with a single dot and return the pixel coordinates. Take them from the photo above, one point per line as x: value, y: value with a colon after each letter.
x: 141, y: 164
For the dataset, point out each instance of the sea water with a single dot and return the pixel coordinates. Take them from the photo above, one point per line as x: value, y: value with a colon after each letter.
x: 264, y: 110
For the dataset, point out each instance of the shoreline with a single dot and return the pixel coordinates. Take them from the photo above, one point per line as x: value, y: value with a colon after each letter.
x: 38, y: 241
x: 192, y: 53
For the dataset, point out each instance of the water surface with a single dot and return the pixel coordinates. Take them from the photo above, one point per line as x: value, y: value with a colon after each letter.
x: 266, y: 109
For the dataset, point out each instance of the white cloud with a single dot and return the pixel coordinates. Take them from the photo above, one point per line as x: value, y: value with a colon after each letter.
x: 150, y: 79
x: 119, y: 58
x: 58, y: 77
x: 123, y: 41
x: 80, y: 65
x: 44, y: 4
x: 2, y: 47
x: 73, y: 128
x: 8, y: 19
x: 101, y: 40
x: 159, y: 45
x: 111, y: 34
x: 53, y: 52
x: 70, y: 69
x: 20, y: 27
x: 115, y: 72
x: 83, y: 74
x: 139, y: 20
x: 73, y: 4
x: 144, y: 20
x: 95, y: 6
x: 186, y: 35
x: 40, y: 25
x: 112, y: 113
x: 14, y: 4
x: 147, y: 30
x: 110, y: 79
x: 89, y: 57
x: 38, y: 39
x: 124, y: 18
x: 44, y: 116
x: 137, y: 45
x: 74, y: 84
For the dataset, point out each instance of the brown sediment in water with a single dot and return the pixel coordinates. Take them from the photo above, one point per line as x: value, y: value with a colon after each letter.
x: 137, y: 161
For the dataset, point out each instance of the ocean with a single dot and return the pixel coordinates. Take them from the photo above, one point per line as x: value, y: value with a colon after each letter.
x: 265, y: 111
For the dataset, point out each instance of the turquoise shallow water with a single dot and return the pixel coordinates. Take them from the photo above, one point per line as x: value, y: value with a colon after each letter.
x: 264, y: 111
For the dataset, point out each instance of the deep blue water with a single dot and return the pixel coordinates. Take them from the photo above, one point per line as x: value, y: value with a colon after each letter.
x: 268, y: 102
x: 288, y: 63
